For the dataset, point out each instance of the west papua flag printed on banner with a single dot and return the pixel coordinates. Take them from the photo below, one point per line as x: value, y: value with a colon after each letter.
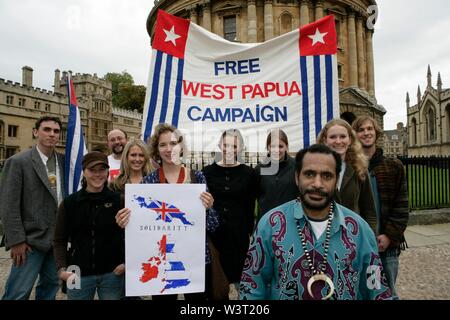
x: 204, y: 84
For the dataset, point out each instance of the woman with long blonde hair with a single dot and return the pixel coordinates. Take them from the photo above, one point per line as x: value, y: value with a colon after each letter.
x: 353, y: 188
x: 135, y: 165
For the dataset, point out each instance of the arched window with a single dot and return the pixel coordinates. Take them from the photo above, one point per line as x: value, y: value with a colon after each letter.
x: 431, y: 125
x: 414, y: 131
x: 286, y: 23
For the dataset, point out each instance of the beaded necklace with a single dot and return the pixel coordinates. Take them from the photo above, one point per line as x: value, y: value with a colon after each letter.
x: 318, y: 273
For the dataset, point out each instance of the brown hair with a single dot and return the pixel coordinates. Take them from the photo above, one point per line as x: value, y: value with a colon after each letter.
x: 359, y: 121
x: 153, y: 141
x: 355, y: 155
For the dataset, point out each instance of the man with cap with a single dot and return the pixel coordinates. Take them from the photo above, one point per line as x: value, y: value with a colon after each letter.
x: 86, y: 219
x: 31, y: 188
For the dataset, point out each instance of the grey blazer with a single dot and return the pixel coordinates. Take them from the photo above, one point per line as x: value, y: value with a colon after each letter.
x: 28, y: 205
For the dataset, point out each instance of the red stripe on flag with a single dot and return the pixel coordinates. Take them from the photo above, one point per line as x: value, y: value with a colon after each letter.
x: 73, y: 98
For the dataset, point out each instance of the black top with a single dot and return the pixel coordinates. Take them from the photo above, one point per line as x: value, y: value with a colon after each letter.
x: 87, y: 221
x: 234, y: 192
x: 276, y: 189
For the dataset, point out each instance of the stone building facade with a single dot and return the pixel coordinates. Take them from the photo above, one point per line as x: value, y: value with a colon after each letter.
x: 249, y: 21
x: 22, y: 104
x: 396, y: 142
x: 429, y: 120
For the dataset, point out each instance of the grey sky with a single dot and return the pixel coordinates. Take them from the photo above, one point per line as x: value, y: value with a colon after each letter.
x: 109, y: 36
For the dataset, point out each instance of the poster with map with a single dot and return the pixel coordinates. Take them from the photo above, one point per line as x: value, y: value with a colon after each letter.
x: 165, y: 239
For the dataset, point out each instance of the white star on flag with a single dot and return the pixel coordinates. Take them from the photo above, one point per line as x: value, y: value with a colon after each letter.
x: 318, y: 37
x: 171, y: 36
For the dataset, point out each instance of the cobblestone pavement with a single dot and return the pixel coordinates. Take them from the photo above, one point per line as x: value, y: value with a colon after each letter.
x: 424, y: 272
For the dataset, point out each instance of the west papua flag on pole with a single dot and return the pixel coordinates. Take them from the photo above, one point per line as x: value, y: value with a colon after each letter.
x: 204, y: 84
x: 75, y: 146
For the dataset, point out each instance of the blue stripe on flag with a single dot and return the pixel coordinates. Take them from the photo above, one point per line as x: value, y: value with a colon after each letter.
x: 176, y: 266
x: 167, y: 78
x: 78, y: 166
x: 70, y: 133
x: 329, y: 84
x: 176, y: 109
x: 154, y: 96
x: 317, y: 95
x: 304, y: 75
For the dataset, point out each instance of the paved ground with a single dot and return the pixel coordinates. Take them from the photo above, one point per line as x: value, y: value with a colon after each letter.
x: 424, y: 267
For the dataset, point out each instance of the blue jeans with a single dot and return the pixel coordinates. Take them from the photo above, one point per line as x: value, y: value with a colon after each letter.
x: 108, y: 287
x: 390, y: 266
x: 21, y: 279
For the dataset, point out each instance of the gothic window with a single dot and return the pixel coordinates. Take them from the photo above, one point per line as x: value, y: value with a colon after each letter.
x: 47, y: 107
x: 229, y: 28
x: 22, y: 102
x: 431, y: 124
x: 286, y: 23
x: 12, y: 131
x: 340, y: 72
x: 2, y: 134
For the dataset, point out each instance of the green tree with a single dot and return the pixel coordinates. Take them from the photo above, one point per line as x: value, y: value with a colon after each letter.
x: 125, y: 94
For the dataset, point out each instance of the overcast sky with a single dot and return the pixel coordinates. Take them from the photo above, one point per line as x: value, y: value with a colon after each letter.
x: 110, y: 36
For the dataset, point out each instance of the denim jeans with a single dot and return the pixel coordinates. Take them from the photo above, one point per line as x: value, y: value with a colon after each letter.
x: 390, y: 266
x: 21, y: 279
x: 108, y: 287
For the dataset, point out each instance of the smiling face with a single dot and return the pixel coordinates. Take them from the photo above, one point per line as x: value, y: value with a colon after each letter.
x: 136, y: 158
x: 169, y: 148
x: 96, y: 177
x: 338, y: 139
x: 367, y: 134
x: 116, y: 142
x: 277, y: 150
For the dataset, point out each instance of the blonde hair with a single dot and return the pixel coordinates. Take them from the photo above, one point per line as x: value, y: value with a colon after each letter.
x: 125, y: 172
x: 355, y: 155
x: 153, y: 141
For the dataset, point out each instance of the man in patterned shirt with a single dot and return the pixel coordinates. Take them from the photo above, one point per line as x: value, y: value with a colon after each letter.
x: 313, y: 248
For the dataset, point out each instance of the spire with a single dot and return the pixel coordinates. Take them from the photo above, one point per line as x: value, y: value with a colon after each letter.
x: 439, y: 82
x: 419, y: 95
x: 408, y: 101
x: 429, y: 85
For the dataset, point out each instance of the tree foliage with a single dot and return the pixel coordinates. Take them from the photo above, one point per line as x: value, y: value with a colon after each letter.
x: 125, y: 94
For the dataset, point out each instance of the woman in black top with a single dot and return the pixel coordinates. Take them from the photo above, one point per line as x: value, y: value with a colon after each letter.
x: 233, y: 186
x: 276, y: 175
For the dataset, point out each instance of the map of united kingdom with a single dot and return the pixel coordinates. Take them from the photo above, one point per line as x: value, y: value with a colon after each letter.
x: 174, y: 273
x: 164, y: 211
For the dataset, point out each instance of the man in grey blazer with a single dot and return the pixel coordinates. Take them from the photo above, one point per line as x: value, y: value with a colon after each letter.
x: 31, y: 188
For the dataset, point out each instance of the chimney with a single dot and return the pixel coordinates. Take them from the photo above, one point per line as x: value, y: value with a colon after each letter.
x: 27, y: 76
x: 57, y: 83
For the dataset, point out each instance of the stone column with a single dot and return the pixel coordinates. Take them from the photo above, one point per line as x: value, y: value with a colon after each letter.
x: 362, y: 81
x: 370, y: 64
x: 251, y: 21
x: 268, y: 19
x: 304, y: 12
x: 352, y: 51
x: 319, y: 10
x: 207, y: 16
x: 193, y: 12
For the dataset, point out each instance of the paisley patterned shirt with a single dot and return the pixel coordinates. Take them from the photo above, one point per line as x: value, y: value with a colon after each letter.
x: 276, y: 267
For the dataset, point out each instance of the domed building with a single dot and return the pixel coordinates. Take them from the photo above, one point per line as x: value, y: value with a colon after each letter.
x: 249, y: 21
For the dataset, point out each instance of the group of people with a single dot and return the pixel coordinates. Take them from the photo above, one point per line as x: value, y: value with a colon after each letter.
x: 325, y: 220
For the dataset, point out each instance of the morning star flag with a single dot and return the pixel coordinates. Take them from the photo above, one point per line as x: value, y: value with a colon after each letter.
x: 204, y: 84
x: 75, y: 146
x: 164, y: 239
